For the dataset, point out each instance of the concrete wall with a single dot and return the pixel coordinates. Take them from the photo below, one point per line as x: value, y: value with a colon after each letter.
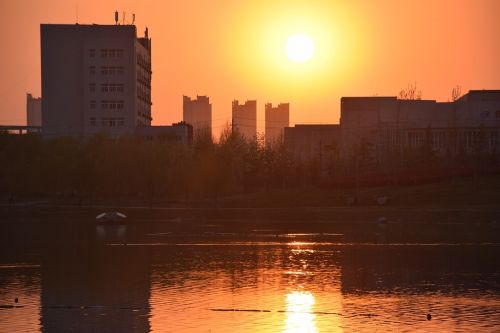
x: 479, y: 108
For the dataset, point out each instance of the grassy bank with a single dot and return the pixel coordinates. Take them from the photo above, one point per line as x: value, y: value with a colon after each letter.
x: 458, y: 193
x: 465, y: 210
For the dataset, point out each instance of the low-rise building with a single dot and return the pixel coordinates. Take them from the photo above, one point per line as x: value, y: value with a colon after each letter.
x: 468, y: 125
x: 179, y: 132
x: 308, y: 142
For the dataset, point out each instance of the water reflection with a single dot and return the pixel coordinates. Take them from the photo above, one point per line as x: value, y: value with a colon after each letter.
x: 300, y: 317
x: 82, y: 283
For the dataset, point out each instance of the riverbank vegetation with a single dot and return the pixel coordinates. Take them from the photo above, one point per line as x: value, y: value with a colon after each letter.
x: 231, y: 172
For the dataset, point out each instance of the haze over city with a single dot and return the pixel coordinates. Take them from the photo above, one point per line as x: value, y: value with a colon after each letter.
x: 237, y: 50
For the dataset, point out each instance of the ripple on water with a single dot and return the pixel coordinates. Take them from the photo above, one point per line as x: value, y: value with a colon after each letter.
x: 261, y: 286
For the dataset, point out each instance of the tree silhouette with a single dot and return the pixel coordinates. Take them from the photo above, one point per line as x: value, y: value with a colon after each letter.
x: 411, y: 92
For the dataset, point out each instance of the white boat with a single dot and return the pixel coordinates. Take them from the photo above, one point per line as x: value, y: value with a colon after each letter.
x: 111, y: 218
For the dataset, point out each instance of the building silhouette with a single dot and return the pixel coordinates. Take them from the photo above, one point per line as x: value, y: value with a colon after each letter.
x: 312, y: 142
x: 33, y: 110
x: 244, y: 119
x: 180, y: 132
x: 384, y: 126
x: 198, y: 113
x: 277, y: 118
x: 95, y: 78
x: 469, y: 125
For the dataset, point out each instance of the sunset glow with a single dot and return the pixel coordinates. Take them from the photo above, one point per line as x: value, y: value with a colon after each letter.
x: 229, y: 50
x: 299, y: 48
x: 250, y: 166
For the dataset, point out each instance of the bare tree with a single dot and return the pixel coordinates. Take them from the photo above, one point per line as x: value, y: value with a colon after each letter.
x: 456, y: 93
x: 411, y: 92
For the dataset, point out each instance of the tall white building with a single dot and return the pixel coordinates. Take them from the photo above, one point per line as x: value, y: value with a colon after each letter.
x: 198, y: 113
x: 277, y: 118
x: 245, y: 119
x: 95, y: 78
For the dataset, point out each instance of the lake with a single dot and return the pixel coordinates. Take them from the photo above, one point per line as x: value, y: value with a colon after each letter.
x: 71, y: 276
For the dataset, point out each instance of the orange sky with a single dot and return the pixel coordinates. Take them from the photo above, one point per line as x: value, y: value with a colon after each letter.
x: 235, y: 49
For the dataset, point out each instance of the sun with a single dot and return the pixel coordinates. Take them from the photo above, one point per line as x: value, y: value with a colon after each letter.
x: 299, y: 48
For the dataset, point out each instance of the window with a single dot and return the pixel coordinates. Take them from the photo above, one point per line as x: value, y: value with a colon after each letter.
x: 92, y: 122
x: 112, y: 105
x: 104, y: 53
x: 112, y: 87
x: 119, y: 53
x: 92, y: 87
x: 92, y: 104
x: 112, y: 70
x: 92, y: 70
x: 111, y: 53
x: 91, y: 53
x: 112, y: 122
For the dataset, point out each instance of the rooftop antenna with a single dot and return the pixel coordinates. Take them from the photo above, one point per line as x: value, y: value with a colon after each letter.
x: 133, y: 19
x: 123, y: 20
x: 116, y: 17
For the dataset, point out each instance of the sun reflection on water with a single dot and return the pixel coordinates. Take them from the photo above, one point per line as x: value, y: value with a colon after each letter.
x: 300, y: 316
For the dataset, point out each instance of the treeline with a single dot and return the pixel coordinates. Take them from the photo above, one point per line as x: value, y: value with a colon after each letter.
x: 102, y: 167
x: 152, y: 171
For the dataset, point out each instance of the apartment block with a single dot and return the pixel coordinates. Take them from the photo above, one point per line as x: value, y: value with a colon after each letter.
x: 244, y: 119
x: 95, y: 78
